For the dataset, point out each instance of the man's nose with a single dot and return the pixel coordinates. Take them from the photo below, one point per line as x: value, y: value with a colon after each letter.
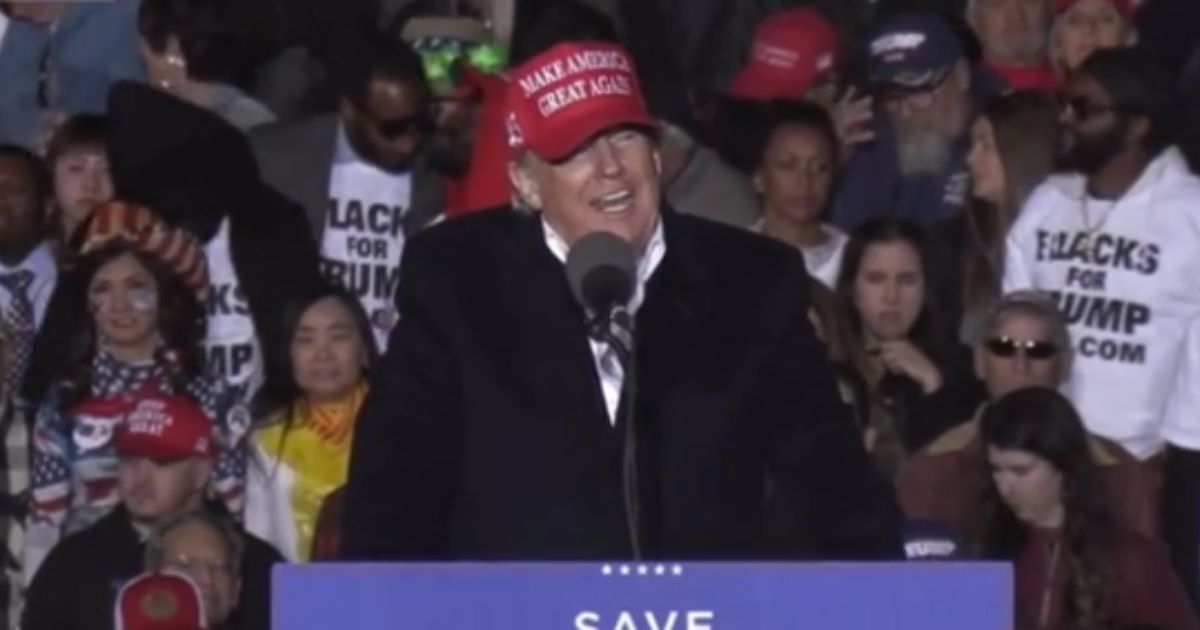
x: 607, y: 160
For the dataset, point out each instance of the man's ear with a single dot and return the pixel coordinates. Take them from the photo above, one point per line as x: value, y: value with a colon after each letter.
x: 524, y: 185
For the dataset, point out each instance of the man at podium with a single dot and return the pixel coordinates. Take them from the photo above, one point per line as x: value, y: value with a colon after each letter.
x: 507, y: 419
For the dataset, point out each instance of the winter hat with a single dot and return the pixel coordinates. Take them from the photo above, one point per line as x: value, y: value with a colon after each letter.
x: 114, y: 222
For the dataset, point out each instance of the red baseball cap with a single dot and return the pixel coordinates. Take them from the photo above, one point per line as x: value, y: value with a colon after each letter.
x: 1124, y: 7
x: 160, y: 601
x: 165, y: 428
x: 794, y: 50
x: 561, y: 98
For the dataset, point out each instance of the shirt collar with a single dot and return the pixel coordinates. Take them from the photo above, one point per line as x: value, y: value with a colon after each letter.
x: 655, y: 250
x: 40, y: 261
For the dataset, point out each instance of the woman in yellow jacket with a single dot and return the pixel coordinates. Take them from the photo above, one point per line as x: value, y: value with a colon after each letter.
x: 302, y: 453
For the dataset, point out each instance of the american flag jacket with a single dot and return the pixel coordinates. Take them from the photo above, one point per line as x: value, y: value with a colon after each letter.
x: 74, y: 467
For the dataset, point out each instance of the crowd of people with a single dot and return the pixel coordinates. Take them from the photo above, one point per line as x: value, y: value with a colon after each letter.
x: 915, y: 280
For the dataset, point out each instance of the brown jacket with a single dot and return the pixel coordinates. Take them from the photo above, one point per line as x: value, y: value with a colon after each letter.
x: 945, y: 481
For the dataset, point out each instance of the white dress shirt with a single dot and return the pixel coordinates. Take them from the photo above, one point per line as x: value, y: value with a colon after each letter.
x: 611, y: 378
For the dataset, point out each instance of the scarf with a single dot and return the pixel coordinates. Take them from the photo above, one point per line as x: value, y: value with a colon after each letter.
x: 314, y: 443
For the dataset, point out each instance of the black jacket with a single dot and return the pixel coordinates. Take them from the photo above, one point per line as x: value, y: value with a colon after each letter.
x: 485, y: 433
x: 76, y: 587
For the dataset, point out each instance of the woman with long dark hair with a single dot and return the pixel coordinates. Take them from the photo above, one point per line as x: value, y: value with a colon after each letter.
x: 1045, y: 510
x: 136, y: 289
x: 301, y: 454
x: 1013, y: 143
x: 919, y: 380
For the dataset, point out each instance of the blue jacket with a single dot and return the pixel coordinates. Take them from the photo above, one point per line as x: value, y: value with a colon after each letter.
x: 92, y: 47
x: 872, y: 186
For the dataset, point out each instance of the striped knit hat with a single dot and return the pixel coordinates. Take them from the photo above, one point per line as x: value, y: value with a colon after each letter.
x: 115, y: 222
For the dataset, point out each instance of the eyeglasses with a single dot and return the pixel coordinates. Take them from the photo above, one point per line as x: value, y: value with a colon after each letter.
x: 920, y: 98
x: 1083, y: 109
x: 1007, y: 347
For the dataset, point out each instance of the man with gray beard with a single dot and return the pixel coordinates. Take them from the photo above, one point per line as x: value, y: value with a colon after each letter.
x: 915, y: 169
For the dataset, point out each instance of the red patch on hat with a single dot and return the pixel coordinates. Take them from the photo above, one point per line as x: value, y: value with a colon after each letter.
x: 160, y: 601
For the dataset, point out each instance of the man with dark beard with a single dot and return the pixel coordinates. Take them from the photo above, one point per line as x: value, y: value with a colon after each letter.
x: 915, y: 169
x: 1115, y: 242
x: 360, y: 173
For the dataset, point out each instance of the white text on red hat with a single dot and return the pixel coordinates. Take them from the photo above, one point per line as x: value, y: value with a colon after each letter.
x: 563, y: 94
x: 150, y: 418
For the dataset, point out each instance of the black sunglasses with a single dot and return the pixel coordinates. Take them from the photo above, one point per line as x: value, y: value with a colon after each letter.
x: 1082, y: 108
x: 1007, y: 348
x: 400, y: 127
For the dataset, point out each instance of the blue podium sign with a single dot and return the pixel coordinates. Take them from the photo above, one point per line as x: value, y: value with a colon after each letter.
x: 705, y: 596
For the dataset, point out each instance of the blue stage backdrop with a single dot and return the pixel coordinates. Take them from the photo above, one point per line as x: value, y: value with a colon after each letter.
x: 474, y: 596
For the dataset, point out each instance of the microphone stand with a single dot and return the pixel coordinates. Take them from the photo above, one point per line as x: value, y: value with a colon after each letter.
x: 615, y: 328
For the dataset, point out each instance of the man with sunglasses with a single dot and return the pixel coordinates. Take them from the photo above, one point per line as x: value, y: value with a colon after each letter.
x: 915, y: 169
x: 360, y: 173
x: 1116, y: 240
x: 1025, y: 343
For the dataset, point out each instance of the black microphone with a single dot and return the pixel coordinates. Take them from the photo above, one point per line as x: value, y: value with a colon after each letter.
x: 601, y: 270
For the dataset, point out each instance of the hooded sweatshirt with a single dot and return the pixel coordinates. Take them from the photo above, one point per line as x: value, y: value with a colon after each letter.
x: 1127, y: 277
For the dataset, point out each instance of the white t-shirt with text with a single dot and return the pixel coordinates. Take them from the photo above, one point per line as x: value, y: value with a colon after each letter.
x: 364, y: 236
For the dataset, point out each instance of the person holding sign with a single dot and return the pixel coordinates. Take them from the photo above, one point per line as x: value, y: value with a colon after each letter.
x: 495, y: 428
x: 1114, y: 242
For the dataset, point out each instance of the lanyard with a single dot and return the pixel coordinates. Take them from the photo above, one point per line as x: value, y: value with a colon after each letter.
x: 1049, y: 591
